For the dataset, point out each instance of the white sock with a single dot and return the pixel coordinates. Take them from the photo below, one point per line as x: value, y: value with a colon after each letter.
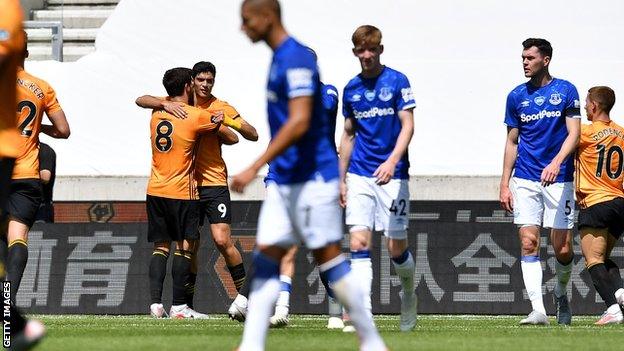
x: 333, y: 307
x: 532, y: 276
x: 283, y: 301
x: 363, y: 269
x: 405, y: 271
x: 614, y: 309
x: 261, y: 301
x: 619, y: 295
x: 563, y: 277
x: 348, y: 291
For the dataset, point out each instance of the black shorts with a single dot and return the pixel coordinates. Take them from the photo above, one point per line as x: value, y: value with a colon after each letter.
x: 6, y: 170
x: 608, y: 214
x: 215, y: 204
x: 171, y: 219
x: 25, y: 196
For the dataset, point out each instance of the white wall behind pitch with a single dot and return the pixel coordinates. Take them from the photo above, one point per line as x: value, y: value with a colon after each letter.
x: 462, y: 58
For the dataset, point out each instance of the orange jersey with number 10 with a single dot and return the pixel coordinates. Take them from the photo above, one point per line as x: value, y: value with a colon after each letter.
x: 599, y: 163
x: 173, y: 152
x: 34, y: 97
x: 11, y: 48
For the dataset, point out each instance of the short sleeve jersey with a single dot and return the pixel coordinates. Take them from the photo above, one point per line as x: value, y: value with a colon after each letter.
x: 540, y: 116
x: 210, y: 169
x: 599, y: 163
x: 34, y: 97
x: 173, y: 143
x: 11, y: 46
x: 330, y: 104
x: 374, y: 105
x: 294, y: 74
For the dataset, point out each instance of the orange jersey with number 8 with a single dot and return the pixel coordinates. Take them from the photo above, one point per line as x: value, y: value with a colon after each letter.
x: 599, y: 163
x: 34, y: 97
x: 173, y: 152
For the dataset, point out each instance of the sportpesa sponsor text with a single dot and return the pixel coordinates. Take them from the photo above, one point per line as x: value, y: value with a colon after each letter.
x: 543, y: 113
x: 374, y: 112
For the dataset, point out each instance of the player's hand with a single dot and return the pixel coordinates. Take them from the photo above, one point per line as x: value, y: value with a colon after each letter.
x: 550, y: 173
x: 175, y: 108
x: 385, y: 172
x: 343, y: 194
x: 241, y: 180
x: 506, y: 198
x: 217, y: 117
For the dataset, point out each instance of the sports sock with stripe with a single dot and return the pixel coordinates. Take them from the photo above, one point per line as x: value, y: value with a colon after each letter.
x: 180, y: 275
x: 157, y: 273
x: 16, y: 263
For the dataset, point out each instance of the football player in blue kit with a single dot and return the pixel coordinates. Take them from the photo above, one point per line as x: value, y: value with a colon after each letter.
x: 301, y: 202
x: 379, y: 123
x: 543, y: 129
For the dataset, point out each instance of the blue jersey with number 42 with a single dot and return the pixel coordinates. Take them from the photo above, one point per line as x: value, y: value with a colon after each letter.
x: 374, y: 105
x: 293, y: 74
x: 540, y: 116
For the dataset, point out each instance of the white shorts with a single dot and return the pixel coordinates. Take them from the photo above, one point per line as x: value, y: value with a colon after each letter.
x: 378, y: 207
x: 305, y: 212
x: 551, y: 206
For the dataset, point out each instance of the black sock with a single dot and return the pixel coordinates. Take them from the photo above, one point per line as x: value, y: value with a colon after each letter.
x: 157, y: 272
x: 180, y: 274
x: 238, y: 275
x: 602, y: 281
x: 190, y: 289
x: 16, y: 263
x: 247, y: 283
x: 614, y: 273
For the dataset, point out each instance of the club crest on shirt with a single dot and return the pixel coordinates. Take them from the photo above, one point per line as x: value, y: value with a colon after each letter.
x: 385, y: 94
x: 555, y: 99
x: 369, y: 95
x: 525, y: 103
x: 539, y: 100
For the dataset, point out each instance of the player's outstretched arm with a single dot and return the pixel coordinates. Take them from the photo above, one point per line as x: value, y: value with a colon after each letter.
x: 385, y: 171
x: 550, y: 173
x: 295, y: 127
x: 226, y: 136
x: 509, y: 160
x: 156, y: 103
x: 59, y: 128
x: 240, y: 125
x: 345, y: 149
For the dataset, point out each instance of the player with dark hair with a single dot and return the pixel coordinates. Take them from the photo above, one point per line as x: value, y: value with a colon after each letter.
x: 211, y: 173
x: 543, y: 127
x: 302, y: 200
x: 599, y: 177
x: 173, y: 208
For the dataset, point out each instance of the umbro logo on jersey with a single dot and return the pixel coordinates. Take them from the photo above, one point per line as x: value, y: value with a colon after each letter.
x: 539, y: 100
x: 385, y: 94
x: 555, y: 99
x: 356, y: 98
x: 525, y: 103
x: 369, y: 95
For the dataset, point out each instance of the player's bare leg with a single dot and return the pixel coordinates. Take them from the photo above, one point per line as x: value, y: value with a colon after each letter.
x: 157, y: 273
x: 532, y: 273
x: 222, y: 237
x: 561, y: 240
x: 405, y: 267
x: 287, y: 272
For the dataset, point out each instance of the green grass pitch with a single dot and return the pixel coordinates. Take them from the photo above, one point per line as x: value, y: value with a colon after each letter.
x: 90, y: 333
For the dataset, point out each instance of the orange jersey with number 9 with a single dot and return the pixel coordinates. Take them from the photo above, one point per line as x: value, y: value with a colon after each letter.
x: 173, y: 152
x: 34, y: 97
x: 599, y: 163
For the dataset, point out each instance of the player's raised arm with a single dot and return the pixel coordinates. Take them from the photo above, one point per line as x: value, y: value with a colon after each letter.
x: 155, y: 103
x: 226, y: 136
x: 209, y: 121
x: 509, y: 160
x: 385, y: 171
